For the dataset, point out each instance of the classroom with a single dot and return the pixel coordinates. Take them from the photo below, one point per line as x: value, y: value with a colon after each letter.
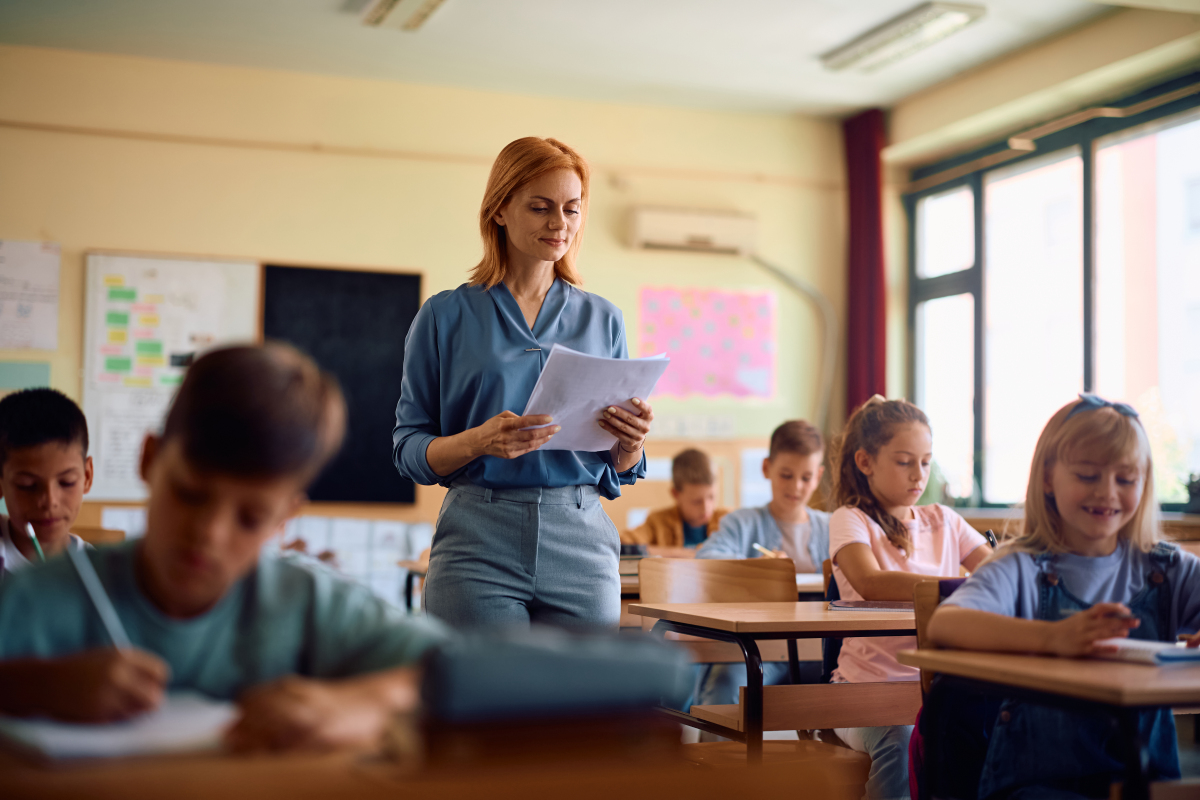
x: 662, y: 304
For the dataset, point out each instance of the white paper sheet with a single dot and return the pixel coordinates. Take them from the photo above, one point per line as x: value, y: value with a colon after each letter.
x: 575, y: 388
x: 29, y: 295
x: 184, y: 722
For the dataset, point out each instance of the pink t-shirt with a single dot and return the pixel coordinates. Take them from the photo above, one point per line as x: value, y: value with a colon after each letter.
x: 941, y: 540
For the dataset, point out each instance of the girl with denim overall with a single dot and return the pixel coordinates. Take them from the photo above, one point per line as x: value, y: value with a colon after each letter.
x: 1086, y: 567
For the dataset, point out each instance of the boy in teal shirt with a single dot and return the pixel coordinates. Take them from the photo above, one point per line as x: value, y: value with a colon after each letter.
x: 312, y: 659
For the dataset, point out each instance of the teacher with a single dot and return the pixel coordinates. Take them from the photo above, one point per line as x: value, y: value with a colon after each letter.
x: 521, y: 536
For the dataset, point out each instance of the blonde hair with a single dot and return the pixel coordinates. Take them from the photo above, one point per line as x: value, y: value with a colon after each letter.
x: 1103, y: 435
x: 518, y: 163
x: 870, y: 427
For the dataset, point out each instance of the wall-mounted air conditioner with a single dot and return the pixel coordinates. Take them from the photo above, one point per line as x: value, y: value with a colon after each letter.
x: 697, y: 231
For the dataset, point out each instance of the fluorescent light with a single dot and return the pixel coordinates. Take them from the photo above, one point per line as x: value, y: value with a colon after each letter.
x: 385, y: 13
x: 899, y: 38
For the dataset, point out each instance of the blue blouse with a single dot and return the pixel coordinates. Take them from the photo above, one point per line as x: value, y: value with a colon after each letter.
x: 470, y: 355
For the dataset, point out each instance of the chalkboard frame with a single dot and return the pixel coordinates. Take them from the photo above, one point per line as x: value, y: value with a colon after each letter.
x: 350, y: 478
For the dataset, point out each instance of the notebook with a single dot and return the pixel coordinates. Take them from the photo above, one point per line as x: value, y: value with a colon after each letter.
x: 870, y: 605
x: 185, y: 722
x: 1140, y: 651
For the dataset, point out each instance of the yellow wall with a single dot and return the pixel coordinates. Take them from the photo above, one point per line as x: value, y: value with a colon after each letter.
x: 130, y: 154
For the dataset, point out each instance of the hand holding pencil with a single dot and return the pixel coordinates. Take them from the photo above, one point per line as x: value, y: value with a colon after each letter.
x: 769, y: 553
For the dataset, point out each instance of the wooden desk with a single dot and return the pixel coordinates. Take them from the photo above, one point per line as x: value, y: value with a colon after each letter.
x: 745, y: 624
x: 1123, y: 690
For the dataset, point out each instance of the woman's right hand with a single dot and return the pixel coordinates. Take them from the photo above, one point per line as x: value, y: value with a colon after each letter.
x: 1077, y: 634
x: 502, y: 437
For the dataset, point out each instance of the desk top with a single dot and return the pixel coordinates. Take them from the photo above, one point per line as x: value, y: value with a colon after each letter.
x: 807, y: 582
x: 1114, y: 682
x: 776, y: 617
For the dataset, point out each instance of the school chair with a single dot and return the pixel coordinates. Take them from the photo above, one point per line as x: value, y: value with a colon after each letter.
x: 97, y: 537
x: 830, y: 648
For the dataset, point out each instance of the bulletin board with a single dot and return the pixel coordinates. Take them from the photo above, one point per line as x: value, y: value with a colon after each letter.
x: 146, y: 318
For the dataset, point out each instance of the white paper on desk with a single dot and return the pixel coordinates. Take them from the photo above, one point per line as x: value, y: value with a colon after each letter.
x: 575, y: 388
x: 185, y: 722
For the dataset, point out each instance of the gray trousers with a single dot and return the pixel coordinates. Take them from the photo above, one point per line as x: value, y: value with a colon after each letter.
x: 512, y: 557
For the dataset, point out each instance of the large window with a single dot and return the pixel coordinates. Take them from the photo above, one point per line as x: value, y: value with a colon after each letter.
x: 1074, y: 268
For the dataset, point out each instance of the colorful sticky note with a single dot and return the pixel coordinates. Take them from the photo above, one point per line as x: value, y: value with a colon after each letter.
x: 139, y: 383
x: 114, y: 280
x: 118, y: 364
x: 117, y: 336
x: 149, y: 348
x: 148, y: 320
x: 152, y: 299
x: 117, y: 318
x: 122, y: 293
x: 151, y: 361
x: 170, y: 380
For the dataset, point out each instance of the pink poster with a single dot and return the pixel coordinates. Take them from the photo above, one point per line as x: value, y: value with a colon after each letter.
x: 721, y: 343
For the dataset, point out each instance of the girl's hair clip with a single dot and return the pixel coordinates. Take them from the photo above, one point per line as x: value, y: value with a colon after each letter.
x: 1092, y: 402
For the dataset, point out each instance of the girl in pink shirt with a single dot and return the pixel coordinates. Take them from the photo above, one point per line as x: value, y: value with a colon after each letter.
x: 882, y: 544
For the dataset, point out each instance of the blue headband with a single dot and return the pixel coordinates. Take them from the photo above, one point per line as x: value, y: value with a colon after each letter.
x: 1091, y: 402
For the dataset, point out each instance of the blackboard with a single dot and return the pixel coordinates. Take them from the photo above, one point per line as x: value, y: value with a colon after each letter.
x: 353, y: 324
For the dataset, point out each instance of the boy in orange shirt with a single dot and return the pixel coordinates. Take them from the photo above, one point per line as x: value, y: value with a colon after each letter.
x: 695, y: 515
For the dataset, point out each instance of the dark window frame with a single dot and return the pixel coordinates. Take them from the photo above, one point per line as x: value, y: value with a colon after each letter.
x: 970, y: 281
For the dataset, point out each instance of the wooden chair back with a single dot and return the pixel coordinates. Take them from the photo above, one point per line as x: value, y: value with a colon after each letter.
x: 99, y: 536
x: 926, y: 596
x: 827, y: 574
x: 702, y: 580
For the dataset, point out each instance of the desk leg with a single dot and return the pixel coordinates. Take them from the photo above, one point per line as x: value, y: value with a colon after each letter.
x: 1137, y: 786
x: 793, y: 662
x: 753, y: 712
x: 409, y: 577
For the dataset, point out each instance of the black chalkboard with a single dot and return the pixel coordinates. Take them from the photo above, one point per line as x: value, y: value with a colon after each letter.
x: 353, y: 324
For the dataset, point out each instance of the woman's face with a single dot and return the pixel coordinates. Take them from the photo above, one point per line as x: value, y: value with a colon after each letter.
x: 542, y: 217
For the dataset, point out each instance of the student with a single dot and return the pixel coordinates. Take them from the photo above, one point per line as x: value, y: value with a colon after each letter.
x: 786, y: 526
x: 313, y: 660
x: 1088, y: 565
x: 44, y: 473
x: 882, y: 544
x: 695, y: 515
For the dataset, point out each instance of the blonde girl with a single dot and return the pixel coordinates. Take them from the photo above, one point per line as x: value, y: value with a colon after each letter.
x: 1087, y: 566
x: 882, y: 543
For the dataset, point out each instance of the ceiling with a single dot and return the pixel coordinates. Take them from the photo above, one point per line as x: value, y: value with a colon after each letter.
x: 746, y: 55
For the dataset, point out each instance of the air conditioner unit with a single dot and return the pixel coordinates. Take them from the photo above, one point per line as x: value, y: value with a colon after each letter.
x: 696, y: 231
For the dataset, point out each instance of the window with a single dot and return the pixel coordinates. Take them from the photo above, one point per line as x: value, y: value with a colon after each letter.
x: 1074, y: 268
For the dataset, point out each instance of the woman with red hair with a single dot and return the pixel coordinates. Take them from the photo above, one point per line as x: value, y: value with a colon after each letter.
x: 521, y: 536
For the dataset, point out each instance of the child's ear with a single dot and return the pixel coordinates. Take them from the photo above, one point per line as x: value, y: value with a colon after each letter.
x: 150, y: 447
x: 820, y: 473
x: 864, y: 462
x: 674, y: 493
x: 767, y: 468
x: 87, y: 474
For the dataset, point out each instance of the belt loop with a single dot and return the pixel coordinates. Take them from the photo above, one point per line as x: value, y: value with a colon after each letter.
x: 578, y: 495
x: 487, y: 495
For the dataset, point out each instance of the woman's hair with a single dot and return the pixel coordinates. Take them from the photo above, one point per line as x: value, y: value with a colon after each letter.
x: 870, y: 427
x: 1102, y: 435
x: 258, y: 411
x: 519, y: 163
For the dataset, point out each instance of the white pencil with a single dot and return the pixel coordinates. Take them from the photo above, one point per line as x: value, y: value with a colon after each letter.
x: 764, y: 551
x: 104, y: 606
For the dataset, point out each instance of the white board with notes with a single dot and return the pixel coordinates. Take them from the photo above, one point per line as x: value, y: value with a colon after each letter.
x: 146, y: 318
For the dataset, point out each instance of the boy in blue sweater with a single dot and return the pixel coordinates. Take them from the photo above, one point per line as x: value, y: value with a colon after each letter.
x: 313, y: 660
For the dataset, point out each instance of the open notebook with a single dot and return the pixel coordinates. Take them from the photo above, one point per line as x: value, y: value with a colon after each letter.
x: 185, y: 722
x: 1141, y: 651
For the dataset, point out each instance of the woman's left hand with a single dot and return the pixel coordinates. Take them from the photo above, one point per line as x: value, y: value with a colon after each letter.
x: 630, y: 429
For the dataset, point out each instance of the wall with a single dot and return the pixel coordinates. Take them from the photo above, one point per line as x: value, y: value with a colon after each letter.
x: 129, y: 154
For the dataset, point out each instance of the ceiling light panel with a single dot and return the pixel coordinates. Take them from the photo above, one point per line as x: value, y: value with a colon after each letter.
x: 902, y: 36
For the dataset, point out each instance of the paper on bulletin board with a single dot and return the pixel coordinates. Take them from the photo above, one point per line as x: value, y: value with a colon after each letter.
x: 147, y: 318
x: 721, y: 343
x: 29, y: 295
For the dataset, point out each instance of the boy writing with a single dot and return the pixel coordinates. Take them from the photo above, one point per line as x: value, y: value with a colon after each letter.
x: 45, y: 471
x: 695, y: 515
x: 313, y: 660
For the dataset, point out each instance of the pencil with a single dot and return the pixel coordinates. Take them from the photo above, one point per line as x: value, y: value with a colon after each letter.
x: 33, y: 537
x: 764, y: 551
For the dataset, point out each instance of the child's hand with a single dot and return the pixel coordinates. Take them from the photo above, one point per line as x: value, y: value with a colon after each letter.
x: 1193, y: 640
x: 296, y: 713
x: 104, y: 685
x: 1077, y: 634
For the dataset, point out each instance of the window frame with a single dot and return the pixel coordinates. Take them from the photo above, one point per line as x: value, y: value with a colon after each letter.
x: 971, y: 281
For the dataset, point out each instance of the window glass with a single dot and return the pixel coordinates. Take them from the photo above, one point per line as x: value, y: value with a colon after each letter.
x: 946, y: 387
x: 945, y: 233
x: 1033, y: 311
x: 1148, y: 289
